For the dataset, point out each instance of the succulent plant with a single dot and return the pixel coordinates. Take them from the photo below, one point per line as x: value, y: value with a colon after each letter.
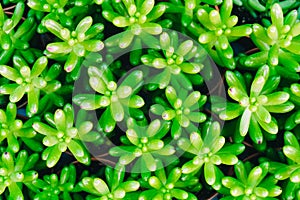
x: 52, y: 187
x: 251, y: 183
x: 75, y: 43
x: 291, y: 149
x: 219, y: 30
x: 277, y: 43
x: 16, y: 171
x: 61, y: 134
x: 11, y: 128
x: 55, y: 10
x: 182, y: 109
x: 289, y: 170
x: 208, y: 150
x: 168, y: 186
x: 254, y: 6
x: 14, y: 36
x: 294, y: 92
x: 117, y: 100
x: 136, y: 16
x: 177, y: 59
x: 254, y: 109
x: 293, y: 120
x: 143, y: 146
x: 64, y: 11
x: 31, y: 81
x: 187, y: 8
x: 115, y: 186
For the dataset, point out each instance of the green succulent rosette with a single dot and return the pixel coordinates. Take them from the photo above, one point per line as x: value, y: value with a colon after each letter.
x: 64, y: 11
x: 61, y: 135
x: 209, y: 151
x: 12, y: 128
x: 182, y: 109
x: 76, y: 43
x: 137, y: 17
x: 188, y: 8
x: 144, y: 147
x: 254, y: 107
x: 57, y: 187
x: 14, y: 35
x: 168, y: 186
x: 16, y: 171
x: 115, y: 187
x: 33, y: 82
x: 178, y: 64
x: 251, y: 183
x: 117, y: 100
x: 219, y: 30
x: 278, y: 44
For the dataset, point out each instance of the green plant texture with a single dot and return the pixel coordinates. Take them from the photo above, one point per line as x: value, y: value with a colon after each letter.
x: 145, y: 99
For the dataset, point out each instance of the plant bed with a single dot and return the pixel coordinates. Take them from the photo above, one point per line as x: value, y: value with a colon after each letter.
x: 144, y: 99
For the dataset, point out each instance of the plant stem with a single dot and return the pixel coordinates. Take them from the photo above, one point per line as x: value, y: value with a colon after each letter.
x: 252, y: 51
x: 213, y: 196
x: 11, y: 13
x: 248, y: 144
x: 251, y: 156
x: 9, y: 8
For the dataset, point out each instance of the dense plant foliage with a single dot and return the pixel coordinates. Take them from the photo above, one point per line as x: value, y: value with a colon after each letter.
x: 144, y: 99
